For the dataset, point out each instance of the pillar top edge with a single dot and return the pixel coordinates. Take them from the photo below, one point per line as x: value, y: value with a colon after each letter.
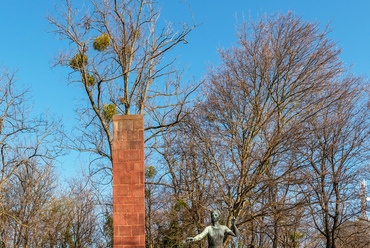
x: 127, y: 117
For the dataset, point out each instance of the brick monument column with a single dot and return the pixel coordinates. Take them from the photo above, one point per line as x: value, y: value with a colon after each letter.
x: 128, y: 181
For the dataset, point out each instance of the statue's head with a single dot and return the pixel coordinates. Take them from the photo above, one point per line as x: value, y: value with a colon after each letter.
x: 215, y: 215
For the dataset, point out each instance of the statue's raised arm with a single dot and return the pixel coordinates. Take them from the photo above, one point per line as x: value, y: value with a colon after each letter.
x: 216, y: 232
x: 235, y: 231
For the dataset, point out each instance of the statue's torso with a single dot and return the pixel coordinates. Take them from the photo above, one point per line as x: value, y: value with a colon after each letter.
x: 216, y: 236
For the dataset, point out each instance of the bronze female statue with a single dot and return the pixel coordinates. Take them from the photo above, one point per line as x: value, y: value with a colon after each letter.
x: 216, y: 232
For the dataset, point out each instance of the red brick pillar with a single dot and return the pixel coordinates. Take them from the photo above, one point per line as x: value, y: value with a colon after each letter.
x: 128, y: 181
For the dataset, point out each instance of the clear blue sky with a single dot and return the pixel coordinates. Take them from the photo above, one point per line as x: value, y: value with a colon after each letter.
x: 25, y: 44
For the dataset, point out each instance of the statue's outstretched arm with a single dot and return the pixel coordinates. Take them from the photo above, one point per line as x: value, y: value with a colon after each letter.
x: 199, y: 236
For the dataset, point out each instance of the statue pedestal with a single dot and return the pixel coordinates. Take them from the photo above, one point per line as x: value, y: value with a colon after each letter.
x: 128, y: 181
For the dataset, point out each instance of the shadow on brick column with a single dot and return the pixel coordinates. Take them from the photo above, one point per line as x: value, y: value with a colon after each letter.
x: 128, y: 181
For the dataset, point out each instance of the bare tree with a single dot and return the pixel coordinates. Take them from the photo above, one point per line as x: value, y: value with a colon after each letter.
x: 259, y: 98
x: 37, y: 213
x: 22, y: 136
x: 282, y: 74
x: 82, y: 220
x: 24, y: 139
x: 34, y: 212
x: 335, y: 151
x: 25, y: 200
x: 116, y: 55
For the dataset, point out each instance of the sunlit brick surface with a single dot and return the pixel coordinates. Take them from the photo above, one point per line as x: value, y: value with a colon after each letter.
x: 128, y: 181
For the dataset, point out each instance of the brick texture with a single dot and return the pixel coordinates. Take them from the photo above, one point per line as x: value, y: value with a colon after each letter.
x: 128, y: 182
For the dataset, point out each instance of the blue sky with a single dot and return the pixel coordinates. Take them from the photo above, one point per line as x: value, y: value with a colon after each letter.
x: 25, y: 44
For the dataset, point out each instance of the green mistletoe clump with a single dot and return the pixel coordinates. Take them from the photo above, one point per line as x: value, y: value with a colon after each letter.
x: 109, y: 110
x: 102, y: 42
x: 78, y: 61
x: 90, y: 80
